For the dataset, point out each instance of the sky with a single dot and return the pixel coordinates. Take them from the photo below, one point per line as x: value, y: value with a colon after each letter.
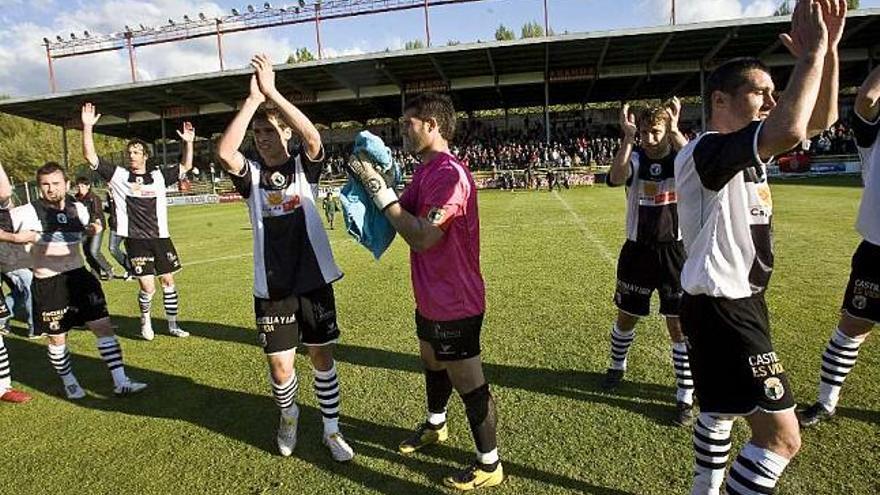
x: 24, y: 23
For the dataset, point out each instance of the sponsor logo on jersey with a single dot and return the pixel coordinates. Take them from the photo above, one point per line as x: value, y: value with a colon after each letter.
x: 275, y: 198
x: 773, y: 388
x: 277, y: 179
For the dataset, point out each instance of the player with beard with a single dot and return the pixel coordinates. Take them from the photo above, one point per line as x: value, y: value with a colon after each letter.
x: 139, y: 196
x: 437, y: 216
x: 65, y: 294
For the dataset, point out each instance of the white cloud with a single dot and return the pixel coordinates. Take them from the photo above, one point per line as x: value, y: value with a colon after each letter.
x: 708, y: 10
x: 23, y: 67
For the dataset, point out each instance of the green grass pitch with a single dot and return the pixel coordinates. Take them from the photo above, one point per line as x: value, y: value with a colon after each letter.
x: 206, y: 424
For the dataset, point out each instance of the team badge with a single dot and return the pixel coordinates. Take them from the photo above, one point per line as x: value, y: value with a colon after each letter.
x: 860, y: 302
x: 656, y: 169
x: 277, y: 179
x: 436, y: 216
x: 773, y: 388
x: 62, y: 218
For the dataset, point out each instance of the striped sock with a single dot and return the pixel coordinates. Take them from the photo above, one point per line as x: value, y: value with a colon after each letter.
x: 59, y: 356
x: 684, y: 381
x: 111, y: 353
x: 327, y: 392
x: 755, y: 471
x: 145, y: 301
x: 711, y: 451
x: 837, y: 361
x: 170, y: 298
x: 620, y: 342
x: 285, y: 393
x: 5, y: 375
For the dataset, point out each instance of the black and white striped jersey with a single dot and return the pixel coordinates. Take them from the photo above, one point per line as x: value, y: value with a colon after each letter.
x: 725, y: 211
x: 141, y: 204
x: 651, y: 214
x: 62, y: 229
x: 868, y: 144
x: 291, y: 250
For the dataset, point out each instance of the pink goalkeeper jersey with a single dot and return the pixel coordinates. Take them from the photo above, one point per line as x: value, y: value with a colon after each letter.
x: 446, y: 278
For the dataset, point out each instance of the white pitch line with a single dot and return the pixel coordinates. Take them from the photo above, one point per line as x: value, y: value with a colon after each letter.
x: 221, y: 258
x: 585, y: 229
x: 654, y: 350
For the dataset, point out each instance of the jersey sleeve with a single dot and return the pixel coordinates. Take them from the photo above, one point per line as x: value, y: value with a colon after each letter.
x: 242, y: 180
x: 443, y: 197
x: 312, y: 168
x: 84, y: 213
x: 865, y: 132
x: 105, y: 170
x: 171, y: 174
x: 25, y: 218
x: 719, y: 157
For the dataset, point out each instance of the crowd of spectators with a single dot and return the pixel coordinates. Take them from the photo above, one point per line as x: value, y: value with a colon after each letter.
x: 483, y: 146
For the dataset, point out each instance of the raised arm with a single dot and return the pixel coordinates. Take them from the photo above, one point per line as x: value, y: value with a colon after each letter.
x: 89, y: 119
x: 227, y: 147
x: 676, y: 138
x: 867, y: 104
x: 620, y: 169
x: 298, y: 122
x: 187, y: 135
x: 787, y: 124
x: 825, y: 114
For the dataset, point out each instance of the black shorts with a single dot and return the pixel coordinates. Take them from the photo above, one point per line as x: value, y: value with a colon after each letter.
x: 152, y: 256
x: 308, y: 319
x: 644, y: 268
x: 736, y: 371
x: 451, y: 340
x: 67, y: 300
x: 862, y: 298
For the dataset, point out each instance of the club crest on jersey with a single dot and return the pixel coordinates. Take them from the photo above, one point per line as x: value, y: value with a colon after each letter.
x: 61, y: 217
x: 773, y: 388
x: 277, y: 179
x: 436, y: 215
x: 656, y: 169
x: 860, y: 302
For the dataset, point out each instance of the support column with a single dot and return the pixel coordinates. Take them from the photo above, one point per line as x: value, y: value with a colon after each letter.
x: 164, y: 142
x: 427, y: 26
x: 546, y: 110
x: 65, y: 153
x: 703, y: 97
